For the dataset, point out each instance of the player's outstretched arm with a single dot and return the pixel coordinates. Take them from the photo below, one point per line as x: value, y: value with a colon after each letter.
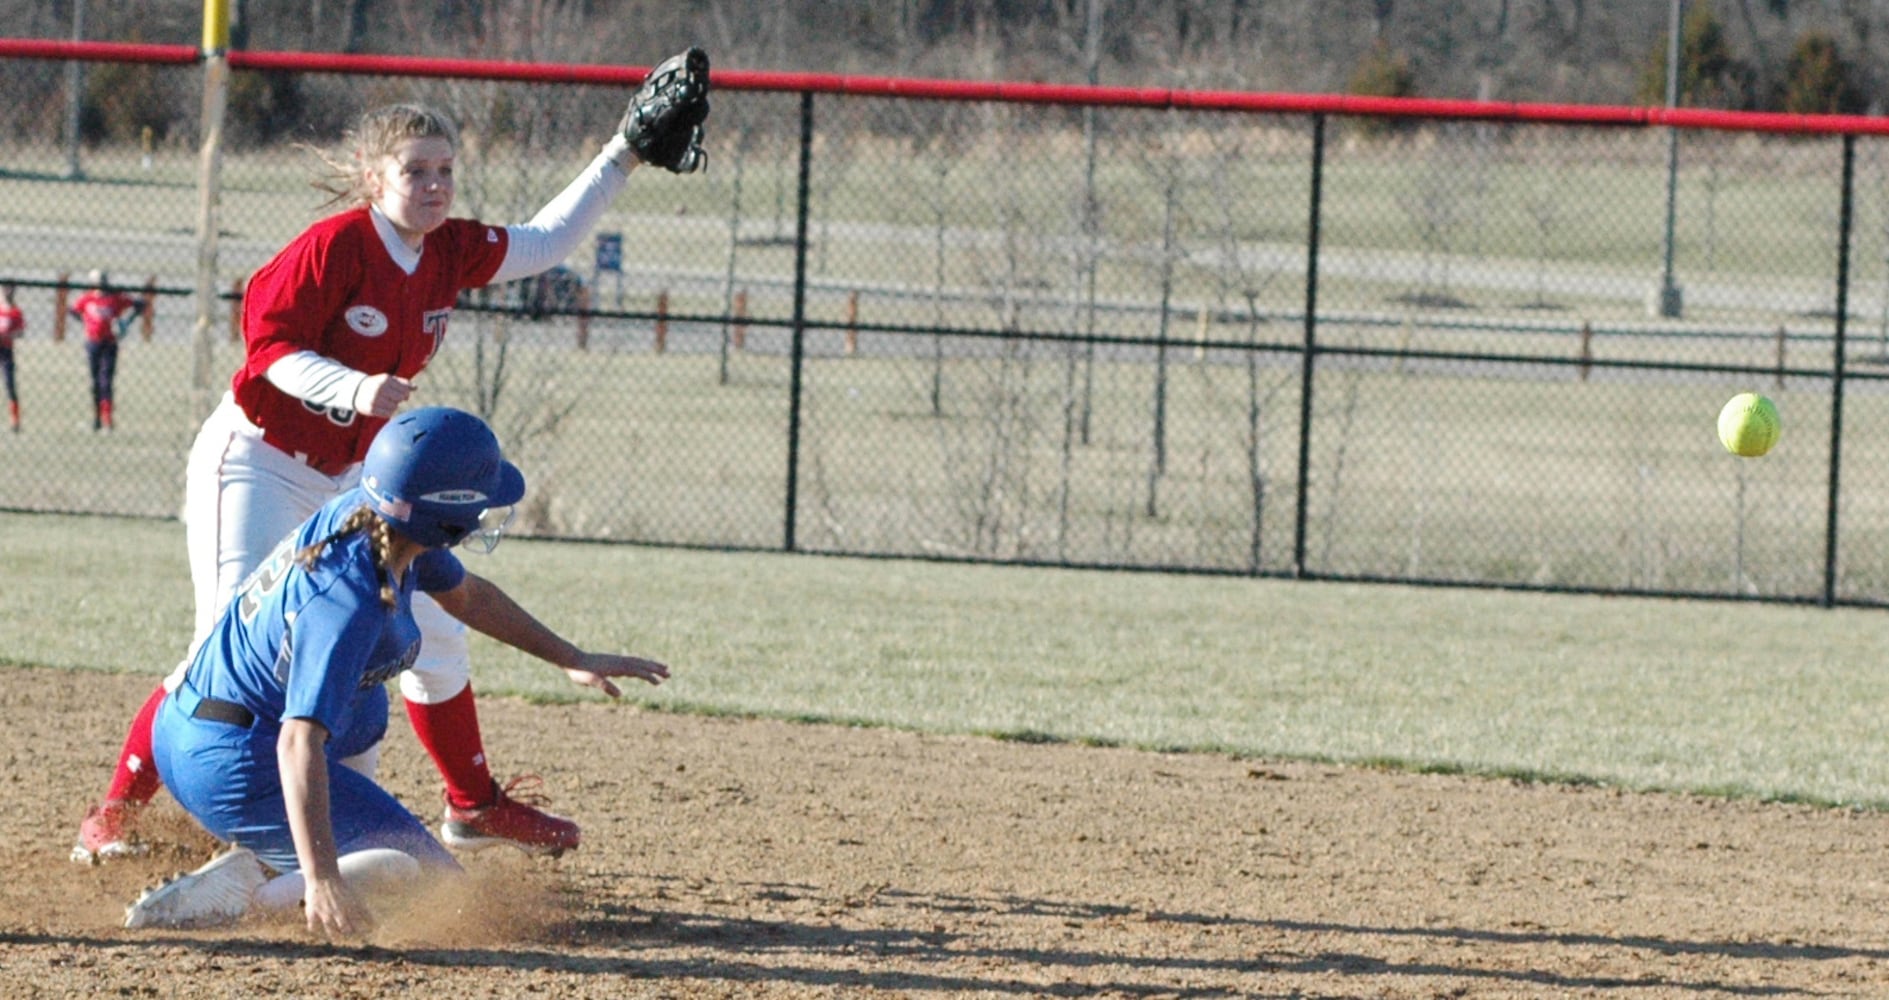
x: 483, y: 606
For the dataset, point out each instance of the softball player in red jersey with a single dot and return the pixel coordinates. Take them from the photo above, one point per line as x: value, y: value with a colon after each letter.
x: 336, y: 327
x: 12, y: 325
x: 104, y: 312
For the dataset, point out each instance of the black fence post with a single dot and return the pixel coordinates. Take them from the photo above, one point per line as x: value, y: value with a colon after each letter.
x: 1844, y: 217
x: 800, y: 315
x: 1311, y: 344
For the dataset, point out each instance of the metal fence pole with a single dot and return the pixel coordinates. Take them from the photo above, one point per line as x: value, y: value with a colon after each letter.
x: 1311, y: 343
x: 1844, y: 217
x: 1668, y: 302
x: 800, y: 315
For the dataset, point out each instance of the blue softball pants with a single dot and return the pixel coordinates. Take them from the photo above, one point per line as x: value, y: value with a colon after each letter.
x: 227, y: 777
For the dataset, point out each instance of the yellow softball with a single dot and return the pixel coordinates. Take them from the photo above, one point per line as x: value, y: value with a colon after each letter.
x: 1748, y: 425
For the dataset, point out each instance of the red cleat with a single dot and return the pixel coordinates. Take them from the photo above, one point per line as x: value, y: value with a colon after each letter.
x: 106, y: 833
x: 513, y: 819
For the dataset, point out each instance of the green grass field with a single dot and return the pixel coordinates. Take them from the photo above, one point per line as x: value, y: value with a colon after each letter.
x: 1712, y: 697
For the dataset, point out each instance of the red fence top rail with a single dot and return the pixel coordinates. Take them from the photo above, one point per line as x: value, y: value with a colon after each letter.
x: 971, y: 90
x: 40, y: 48
x: 1337, y: 104
x: 464, y: 69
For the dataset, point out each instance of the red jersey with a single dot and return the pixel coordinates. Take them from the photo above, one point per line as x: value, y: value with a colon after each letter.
x: 99, y: 311
x: 336, y: 291
x: 12, y: 324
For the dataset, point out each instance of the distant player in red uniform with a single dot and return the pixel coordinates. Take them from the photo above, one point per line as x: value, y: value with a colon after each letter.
x: 336, y: 327
x: 12, y: 325
x: 106, y: 313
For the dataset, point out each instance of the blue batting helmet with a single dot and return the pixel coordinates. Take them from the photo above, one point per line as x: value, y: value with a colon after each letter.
x: 435, y: 472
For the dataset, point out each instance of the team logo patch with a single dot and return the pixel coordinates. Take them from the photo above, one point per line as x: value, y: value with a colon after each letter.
x: 366, y: 320
x: 455, y: 496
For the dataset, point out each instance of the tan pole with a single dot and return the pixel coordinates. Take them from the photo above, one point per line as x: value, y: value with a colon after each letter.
x: 216, y: 85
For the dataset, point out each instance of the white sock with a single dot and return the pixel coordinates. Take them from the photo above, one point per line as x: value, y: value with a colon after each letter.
x: 364, y: 763
x: 373, y: 872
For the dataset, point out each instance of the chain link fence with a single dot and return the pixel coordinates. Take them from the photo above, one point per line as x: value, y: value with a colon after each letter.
x: 1051, y: 334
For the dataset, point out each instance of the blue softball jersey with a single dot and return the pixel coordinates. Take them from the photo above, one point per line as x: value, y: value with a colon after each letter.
x: 311, y: 642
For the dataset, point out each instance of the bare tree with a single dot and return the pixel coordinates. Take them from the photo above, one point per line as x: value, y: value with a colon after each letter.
x: 936, y: 140
x: 1235, y: 272
x: 743, y: 142
x: 1436, y: 209
x: 1544, y: 208
x: 1552, y: 50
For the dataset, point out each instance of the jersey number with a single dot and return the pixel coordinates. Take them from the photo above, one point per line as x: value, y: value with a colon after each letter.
x: 337, y: 415
x: 266, y: 578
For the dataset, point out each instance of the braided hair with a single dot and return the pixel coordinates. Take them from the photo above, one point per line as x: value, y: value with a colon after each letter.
x: 380, y: 534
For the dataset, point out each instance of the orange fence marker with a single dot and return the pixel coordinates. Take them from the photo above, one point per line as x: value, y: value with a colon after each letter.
x: 583, y: 318
x: 852, y: 322
x: 236, y: 309
x: 662, y: 321
x: 741, y: 320
x: 1587, y: 348
x: 59, y: 293
x: 145, y: 320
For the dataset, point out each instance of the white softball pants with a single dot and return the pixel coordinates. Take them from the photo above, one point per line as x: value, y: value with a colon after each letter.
x: 242, y: 497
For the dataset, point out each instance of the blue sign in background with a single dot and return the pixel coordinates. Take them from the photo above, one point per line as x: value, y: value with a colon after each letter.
x: 610, y: 252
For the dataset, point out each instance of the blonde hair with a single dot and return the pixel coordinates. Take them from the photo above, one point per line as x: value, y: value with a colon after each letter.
x: 380, y: 533
x: 374, y: 135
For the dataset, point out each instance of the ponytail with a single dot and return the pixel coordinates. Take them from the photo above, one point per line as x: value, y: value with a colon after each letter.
x: 380, y: 535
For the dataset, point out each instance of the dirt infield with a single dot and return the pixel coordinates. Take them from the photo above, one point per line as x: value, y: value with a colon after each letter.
x: 730, y: 858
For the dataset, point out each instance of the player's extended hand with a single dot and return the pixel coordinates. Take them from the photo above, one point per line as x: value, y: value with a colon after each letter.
x: 335, y: 910
x: 596, y: 669
x: 381, y: 395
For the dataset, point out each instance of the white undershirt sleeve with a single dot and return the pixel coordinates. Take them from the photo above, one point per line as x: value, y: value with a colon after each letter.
x: 552, y: 234
x: 316, y: 378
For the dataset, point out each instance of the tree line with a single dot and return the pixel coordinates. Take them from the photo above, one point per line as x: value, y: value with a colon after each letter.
x: 1782, y: 55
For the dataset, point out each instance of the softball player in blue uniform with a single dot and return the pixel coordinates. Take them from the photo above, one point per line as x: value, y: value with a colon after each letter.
x: 290, y: 682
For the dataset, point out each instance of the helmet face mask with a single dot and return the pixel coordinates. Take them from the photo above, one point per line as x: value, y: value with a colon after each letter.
x: 491, y: 530
x: 437, y: 475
